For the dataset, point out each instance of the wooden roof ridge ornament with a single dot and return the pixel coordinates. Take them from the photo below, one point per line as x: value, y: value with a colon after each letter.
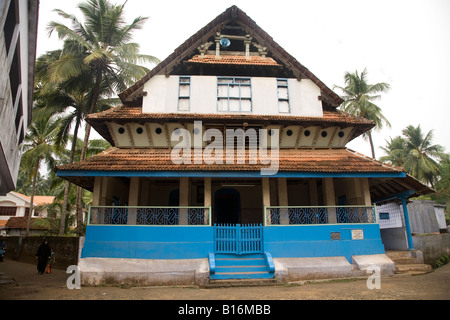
x: 256, y: 34
x: 203, y: 49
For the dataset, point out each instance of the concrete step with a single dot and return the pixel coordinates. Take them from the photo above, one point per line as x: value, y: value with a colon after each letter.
x: 227, y: 283
x: 404, y: 260
x: 413, y: 268
x: 406, y: 256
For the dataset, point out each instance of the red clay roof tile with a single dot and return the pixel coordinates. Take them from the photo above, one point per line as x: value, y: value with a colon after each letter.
x: 297, y: 160
x: 236, y: 60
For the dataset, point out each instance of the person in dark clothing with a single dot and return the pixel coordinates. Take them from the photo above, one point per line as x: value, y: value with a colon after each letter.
x: 43, y: 254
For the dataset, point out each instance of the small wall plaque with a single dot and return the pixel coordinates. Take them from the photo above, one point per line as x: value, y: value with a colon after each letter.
x: 384, y: 216
x: 335, y: 236
x: 358, y: 234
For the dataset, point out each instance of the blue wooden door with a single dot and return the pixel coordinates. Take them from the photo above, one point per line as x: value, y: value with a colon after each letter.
x: 238, y: 239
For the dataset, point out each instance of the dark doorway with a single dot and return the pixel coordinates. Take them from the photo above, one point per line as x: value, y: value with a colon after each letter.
x: 227, y: 206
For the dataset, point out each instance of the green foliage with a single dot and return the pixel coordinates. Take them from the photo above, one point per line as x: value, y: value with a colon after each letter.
x: 416, y: 153
x: 443, y: 260
x: 359, y: 97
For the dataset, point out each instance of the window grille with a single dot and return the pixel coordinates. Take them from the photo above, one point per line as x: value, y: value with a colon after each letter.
x: 234, y: 94
x: 8, y: 211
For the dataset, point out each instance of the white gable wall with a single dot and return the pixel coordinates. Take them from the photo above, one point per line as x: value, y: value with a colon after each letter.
x: 163, y: 93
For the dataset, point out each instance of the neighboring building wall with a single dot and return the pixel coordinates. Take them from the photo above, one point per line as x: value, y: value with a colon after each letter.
x: 422, y: 217
x: 163, y: 96
x: 18, y: 27
x: 433, y: 246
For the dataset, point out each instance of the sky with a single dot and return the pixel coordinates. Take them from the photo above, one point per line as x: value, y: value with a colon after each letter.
x: 405, y: 43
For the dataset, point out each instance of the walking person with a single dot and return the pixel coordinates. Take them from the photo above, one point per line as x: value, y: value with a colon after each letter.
x: 43, y: 255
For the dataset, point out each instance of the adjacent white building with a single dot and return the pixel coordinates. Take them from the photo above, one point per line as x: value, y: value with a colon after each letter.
x: 18, y: 33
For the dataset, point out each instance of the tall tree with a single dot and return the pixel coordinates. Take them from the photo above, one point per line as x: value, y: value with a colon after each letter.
x: 70, y: 99
x: 422, y: 155
x: 416, y: 153
x: 102, y: 47
x: 395, y: 150
x: 358, y: 100
x: 39, y: 146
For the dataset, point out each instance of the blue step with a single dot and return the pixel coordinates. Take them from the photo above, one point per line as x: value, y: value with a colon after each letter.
x: 229, y: 266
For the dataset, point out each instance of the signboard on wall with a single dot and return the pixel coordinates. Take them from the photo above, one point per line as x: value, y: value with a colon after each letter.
x: 357, y: 234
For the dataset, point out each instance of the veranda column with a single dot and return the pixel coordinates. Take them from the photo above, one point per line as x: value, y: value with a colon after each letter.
x: 133, y: 199
x: 313, y: 196
x: 266, y: 196
x: 329, y: 198
x: 283, y: 200
x: 207, y: 199
x: 96, y: 201
x: 184, y: 201
x: 367, y: 198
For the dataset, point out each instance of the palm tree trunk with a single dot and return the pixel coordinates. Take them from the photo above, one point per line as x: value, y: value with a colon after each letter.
x: 371, y: 144
x: 95, y: 96
x: 33, y: 189
x: 62, y: 227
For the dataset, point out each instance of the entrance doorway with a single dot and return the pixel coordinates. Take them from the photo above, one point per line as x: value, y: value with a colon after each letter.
x: 227, y: 206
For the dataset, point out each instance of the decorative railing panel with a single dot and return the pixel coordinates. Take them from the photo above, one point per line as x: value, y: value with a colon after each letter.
x: 320, y: 215
x: 150, y: 216
x: 238, y: 239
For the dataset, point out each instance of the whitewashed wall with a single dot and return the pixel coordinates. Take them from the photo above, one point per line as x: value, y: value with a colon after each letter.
x: 162, y: 96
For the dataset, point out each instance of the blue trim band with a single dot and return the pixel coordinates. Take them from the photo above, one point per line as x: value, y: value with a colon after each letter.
x: 229, y: 174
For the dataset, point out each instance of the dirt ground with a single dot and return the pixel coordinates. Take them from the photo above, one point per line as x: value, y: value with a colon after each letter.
x: 27, y: 284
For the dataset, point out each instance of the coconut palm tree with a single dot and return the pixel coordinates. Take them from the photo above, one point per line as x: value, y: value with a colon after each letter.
x: 358, y: 100
x: 395, y: 150
x: 421, y: 155
x: 102, y: 45
x: 39, y: 146
x: 70, y: 99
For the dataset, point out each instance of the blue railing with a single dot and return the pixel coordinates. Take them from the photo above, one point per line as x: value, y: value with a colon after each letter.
x: 150, y: 216
x: 238, y: 239
x: 320, y: 215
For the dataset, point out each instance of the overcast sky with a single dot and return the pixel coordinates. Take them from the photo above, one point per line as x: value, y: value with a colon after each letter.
x: 405, y: 43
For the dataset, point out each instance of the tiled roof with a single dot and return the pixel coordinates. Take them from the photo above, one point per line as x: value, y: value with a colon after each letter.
x: 335, y: 161
x: 290, y: 160
x: 21, y: 223
x: 38, y: 200
x: 236, y: 60
x: 135, y: 113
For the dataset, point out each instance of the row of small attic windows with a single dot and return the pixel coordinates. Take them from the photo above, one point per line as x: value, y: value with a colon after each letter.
x: 234, y: 94
x: 156, y: 135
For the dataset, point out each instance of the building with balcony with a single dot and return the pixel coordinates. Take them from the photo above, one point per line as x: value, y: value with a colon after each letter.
x: 229, y: 161
x: 18, y: 34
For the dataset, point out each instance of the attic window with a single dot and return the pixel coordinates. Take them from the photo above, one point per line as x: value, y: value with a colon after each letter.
x: 234, y: 94
x: 283, y: 96
x: 184, y: 94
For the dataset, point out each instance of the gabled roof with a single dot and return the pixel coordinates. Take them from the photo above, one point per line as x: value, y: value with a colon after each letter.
x: 233, y: 14
x: 38, y: 200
